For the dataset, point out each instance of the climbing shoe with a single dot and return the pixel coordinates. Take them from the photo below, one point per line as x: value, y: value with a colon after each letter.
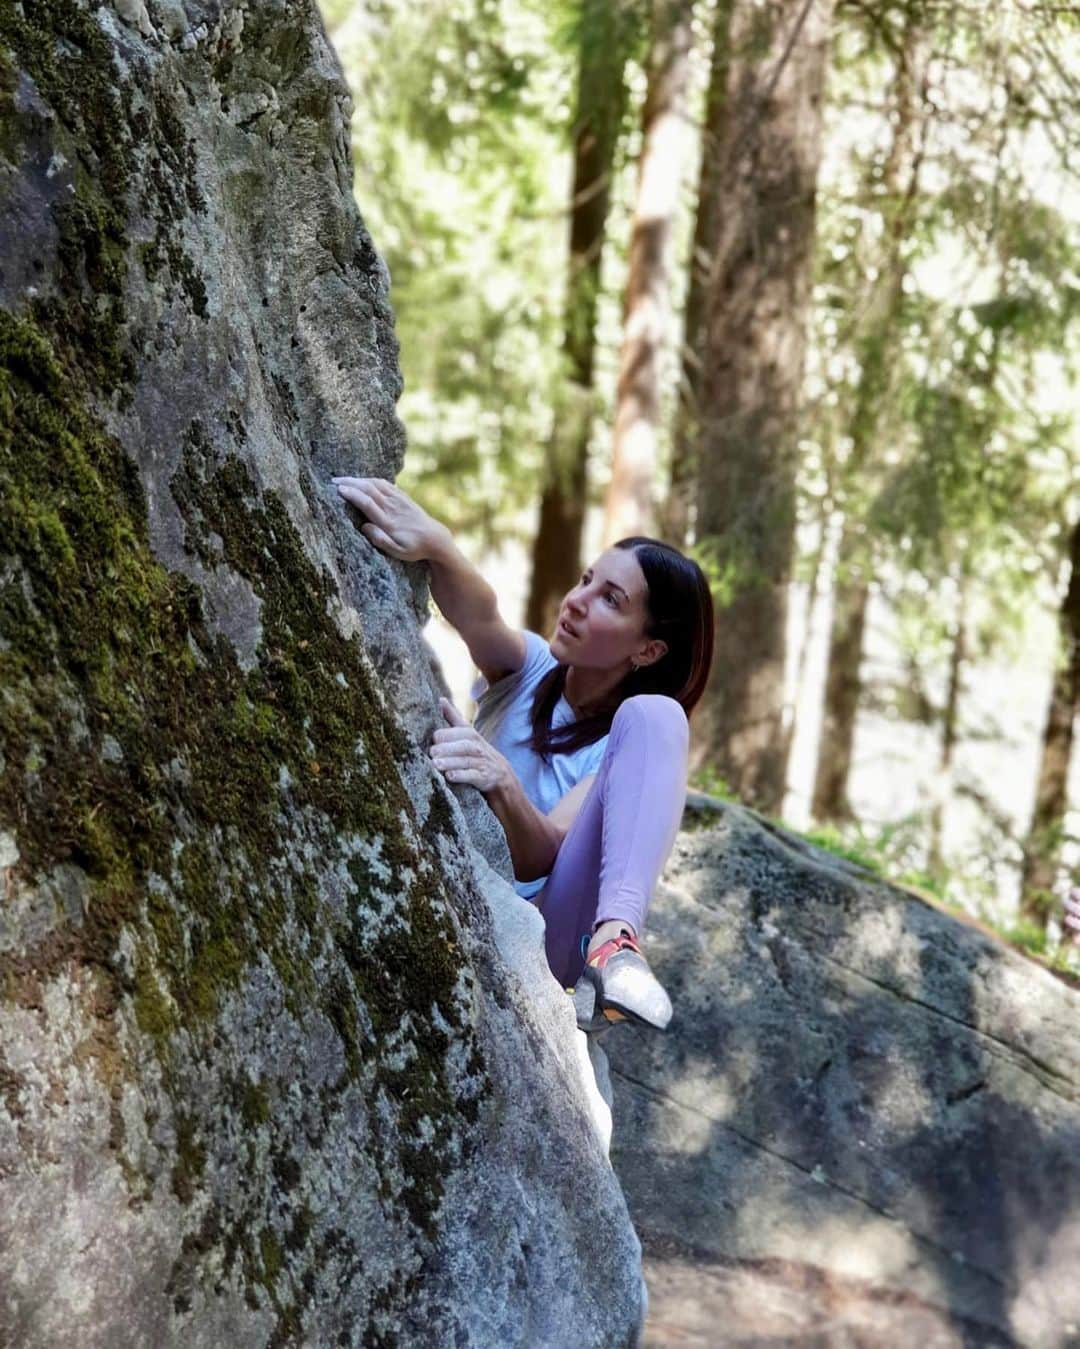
x: 617, y: 985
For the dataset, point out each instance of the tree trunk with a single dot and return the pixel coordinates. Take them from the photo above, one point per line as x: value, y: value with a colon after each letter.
x: 949, y: 723
x: 629, y: 507
x: 600, y: 101
x: 677, y: 515
x: 1041, y: 852
x: 842, y: 688
x: 821, y: 551
x: 876, y: 348
x: 754, y: 347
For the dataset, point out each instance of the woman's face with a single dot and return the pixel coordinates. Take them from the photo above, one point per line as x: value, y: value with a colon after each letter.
x: 601, y: 623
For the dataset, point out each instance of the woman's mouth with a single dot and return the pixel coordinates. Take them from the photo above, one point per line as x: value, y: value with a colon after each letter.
x: 565, y: 628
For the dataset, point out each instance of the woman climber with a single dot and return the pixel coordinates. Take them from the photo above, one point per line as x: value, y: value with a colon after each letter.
x: 580, y: 739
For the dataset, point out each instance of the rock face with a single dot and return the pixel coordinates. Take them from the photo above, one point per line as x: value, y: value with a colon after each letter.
x: 280, y: 1060
x: 863, y: 1126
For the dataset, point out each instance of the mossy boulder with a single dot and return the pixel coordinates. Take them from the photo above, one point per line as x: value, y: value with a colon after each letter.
x: 280, y: 1060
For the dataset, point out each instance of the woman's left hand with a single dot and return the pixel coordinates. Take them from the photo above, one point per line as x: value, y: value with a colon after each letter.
x: 463, y: 755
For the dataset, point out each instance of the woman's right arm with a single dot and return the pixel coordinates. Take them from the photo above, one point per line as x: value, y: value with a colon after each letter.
x: 462, y: 753
x: 398, y: 526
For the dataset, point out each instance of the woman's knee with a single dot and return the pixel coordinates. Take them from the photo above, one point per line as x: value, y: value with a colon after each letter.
x: 657, y: 709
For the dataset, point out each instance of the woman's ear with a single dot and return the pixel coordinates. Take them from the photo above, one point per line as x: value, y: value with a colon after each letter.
x: 655, y: 650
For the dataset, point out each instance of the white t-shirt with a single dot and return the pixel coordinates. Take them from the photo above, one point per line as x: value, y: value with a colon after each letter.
x: 502, y: 718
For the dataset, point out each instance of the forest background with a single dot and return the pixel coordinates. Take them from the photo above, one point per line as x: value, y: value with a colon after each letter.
x: 793, y: 284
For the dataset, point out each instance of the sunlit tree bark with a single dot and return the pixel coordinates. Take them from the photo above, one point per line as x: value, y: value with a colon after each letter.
x: 757, y: 308
x: 824, y: 546
x: 600, y: 101
x: 676, y: 512
x: 629, y: 506
x: 950, y: 723
x: 877, y: 346
x: 1043, y: 847
x: 842, y: 688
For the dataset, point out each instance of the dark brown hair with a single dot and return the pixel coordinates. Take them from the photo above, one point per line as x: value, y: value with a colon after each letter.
x: 679, y: 611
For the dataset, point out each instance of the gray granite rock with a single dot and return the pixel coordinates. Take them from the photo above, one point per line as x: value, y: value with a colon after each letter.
x: 280, y: 1058
x: 864, y: 1122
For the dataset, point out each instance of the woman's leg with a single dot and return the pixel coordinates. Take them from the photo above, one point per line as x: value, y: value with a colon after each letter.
x: 612, y: 855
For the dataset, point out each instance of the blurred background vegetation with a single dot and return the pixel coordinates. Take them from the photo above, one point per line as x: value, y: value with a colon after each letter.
x: 794, y: 284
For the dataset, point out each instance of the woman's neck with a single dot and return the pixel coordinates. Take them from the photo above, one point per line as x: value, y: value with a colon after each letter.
x: 585, y: 690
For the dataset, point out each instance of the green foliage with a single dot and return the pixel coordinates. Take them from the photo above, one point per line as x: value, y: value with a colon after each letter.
x: 944, y: 321
x: 894, y: 851
x: 832, y: 840
x: 1029, y: 936
x: 707, y: 779
x: 963, y: 430
x: 889, y: 852
x: 946, y: 435
x: 460, y: 136
x: 465, y: 112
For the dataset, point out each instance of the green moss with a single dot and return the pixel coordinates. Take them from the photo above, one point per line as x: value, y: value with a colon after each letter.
x: 189, y: 844
x: 115, y: 637
x: 254, y: 1104
x: 271, y: 1254
x: 63, y: 49
x: 129, y: 148
x: 287, y: 1330
x: 9, y: 135
x: 296, y: 1239
x: 155, y: 1014
x: 190, y: 1159
x: 339, y: 1005
x: 272, y: 1267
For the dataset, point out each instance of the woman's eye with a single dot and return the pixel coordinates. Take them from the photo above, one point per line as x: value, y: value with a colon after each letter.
x: 614, y: 601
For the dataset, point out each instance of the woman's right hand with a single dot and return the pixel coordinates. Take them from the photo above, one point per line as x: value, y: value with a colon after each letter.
x: 395, y: 523
x: 462, y: 753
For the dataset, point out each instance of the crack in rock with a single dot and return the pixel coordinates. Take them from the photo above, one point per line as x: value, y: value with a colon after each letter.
x: 818, y: 1175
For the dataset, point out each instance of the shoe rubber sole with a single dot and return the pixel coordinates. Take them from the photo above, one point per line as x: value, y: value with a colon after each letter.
x: 594, y: 1013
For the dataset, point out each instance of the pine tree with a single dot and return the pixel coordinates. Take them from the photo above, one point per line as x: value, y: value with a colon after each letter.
x: 677, y: 512
x: 1043, y: 846
x: 630, y: 507
x: 605, y: 37
x: 876, y: 341
x: 753, y: 366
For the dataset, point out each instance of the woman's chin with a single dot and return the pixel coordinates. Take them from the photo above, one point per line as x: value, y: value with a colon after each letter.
x: 559, y: 647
